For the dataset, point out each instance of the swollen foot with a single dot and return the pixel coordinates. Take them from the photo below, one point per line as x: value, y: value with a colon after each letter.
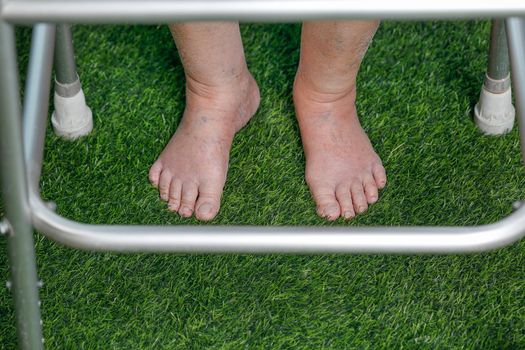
x: 343, y: 171
x: 190, y: 173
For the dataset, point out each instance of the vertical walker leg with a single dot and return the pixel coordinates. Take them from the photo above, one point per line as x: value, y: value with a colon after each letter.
x: 516, y: 37
x: 494, y: 113
x: 72, y: 118
x: 36, y: 101
x: 17, y: 226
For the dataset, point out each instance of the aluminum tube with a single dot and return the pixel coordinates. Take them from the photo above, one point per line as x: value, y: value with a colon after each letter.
x: 36, y: 99
x: 65, y: 67
x: 20, y: 244
x: 516, y: 41
x: 277, y: 239
x: 164, y: 11
x: 498, y: 53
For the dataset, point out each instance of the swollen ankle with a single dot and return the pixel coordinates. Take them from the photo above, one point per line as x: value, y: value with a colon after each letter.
x: 236, y: 102
x: 326, y: 92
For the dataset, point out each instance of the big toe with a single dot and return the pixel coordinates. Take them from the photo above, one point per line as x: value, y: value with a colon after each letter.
x: 327, y: 205
x: 207, y: 209
x: 154, y: 173
x: 208, y: 203
x: 379, y: 174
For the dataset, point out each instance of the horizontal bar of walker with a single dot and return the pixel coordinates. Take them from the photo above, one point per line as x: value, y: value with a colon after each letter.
x: 157, y: 11
x: 276, y: 239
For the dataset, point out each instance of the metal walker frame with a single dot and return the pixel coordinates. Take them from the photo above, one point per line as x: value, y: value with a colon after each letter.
x: 22, y: 138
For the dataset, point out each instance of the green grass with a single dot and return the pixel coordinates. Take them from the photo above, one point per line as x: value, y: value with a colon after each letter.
x: 417, y: 88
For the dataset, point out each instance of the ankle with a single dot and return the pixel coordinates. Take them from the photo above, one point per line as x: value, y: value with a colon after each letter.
x: 322, y: 90
x: 234, y: 101
x: 210, y: 88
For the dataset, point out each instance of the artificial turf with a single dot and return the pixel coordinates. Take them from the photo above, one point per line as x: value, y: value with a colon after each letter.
x: 416, y: 91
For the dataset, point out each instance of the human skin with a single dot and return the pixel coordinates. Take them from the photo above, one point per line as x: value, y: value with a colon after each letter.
x: 342, y: 170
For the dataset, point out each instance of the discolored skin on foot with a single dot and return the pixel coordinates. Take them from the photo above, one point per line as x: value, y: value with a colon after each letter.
x: 190, y: 173
x: 343, y: 171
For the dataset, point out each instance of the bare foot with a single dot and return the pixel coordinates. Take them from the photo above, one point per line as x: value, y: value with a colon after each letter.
x: 343, y: 171
x: 191, y: 170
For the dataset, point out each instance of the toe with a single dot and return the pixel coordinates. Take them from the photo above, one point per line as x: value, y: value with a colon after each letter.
x: 359, y: 198
x: 370, y: 190
x: 189, y: 196
x: 175, y: 195
x: 342, y: 193
x: 164, y: 184
x: 208, y: 202
x: 327, y: 205
x: 379, y: 175
x: 154, y: 173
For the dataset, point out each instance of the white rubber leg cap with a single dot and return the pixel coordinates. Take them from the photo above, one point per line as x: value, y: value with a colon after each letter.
x: 494, y: 113
x: 72, y: 118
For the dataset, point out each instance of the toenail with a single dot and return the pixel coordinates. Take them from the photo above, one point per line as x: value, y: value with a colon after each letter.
x: 204, y: 209
x: 348, y: 215
x: 329, y: 212
x: 186, y: 211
